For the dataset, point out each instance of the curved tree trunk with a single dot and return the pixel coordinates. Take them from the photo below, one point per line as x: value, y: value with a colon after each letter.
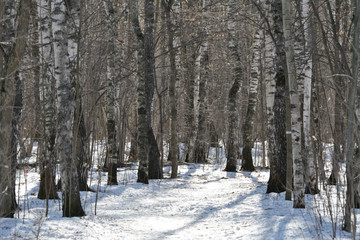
x: 155, y: 170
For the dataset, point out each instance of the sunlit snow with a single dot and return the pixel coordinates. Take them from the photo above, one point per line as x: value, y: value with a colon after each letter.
x: 204, y: 202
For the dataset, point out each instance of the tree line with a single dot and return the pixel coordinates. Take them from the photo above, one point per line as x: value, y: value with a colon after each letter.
x: 170, y: 74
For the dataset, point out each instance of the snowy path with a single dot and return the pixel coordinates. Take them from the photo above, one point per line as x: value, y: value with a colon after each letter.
x: 203, y: 203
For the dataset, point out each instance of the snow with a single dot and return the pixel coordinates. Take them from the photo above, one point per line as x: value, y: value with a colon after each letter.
x: 204, y: 202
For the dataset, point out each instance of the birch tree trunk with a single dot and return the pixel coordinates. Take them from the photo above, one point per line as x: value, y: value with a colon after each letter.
x: 200, y: 144
x: 47, y: 85
x: 310, y: 176
x: 247, y: 161
x: 189, y: 58
x: 148, y: 150
x: 110, y: 95
x: 269, y: 97
x: 277, y: 113
x: 8, y: 65
x: 143, y: 146
x: 231, y: 164
x: 298, y: 191
x: 268, y: 63
x: 65, y: 105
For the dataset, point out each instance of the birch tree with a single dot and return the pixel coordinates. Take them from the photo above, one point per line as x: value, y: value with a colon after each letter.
x: 298, y: 191
x: 200, y: 144
x: 172, y: 6
x: 189, y: 55
x: 247, y: 161
x: 148, y: 154
x: 110, y: 94
x: 71, y: 204
x: 276, y: 103
x: 48, y: 109
x: 237, y: 77
x: 9, y: 63
x: 310, y: 177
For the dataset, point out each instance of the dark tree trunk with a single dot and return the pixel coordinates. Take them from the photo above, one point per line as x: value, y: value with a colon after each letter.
x: 82, y: 154
x: 173, y: 147
x: 155, y: 171
x: 46, y: 85
x: 149, y: 78
x: 148, y: 149
x: 9, y: 63
x: 112, y: 153
x: 18, y: 104
x: 231, y: 165
x: 277, y: 181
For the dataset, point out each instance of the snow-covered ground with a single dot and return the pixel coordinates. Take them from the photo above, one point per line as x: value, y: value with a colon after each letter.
x: 204, y: 202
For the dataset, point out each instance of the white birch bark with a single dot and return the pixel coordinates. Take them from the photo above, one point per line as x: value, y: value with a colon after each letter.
x: 268, y: 63
x: 310, y: 176
x: 298, y: 191
x: 47, y: 85
x: 200, y: 145
x: 110, y: 94
x: 65, y: 105
x: 276, y: 102
x: 247, y: 163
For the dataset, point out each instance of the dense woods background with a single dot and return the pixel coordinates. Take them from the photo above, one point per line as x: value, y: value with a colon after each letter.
x: 172, y: 78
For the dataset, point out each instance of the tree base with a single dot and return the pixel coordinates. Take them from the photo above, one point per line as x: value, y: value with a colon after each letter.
x: 142, y: 177
x: 112, y: 174
x: 247, y: 163
x: 72, y: 206
x: 47, y: 188
x: 332, y: 179
x: 155, y: 171
x: 230, y: 169
x: 275, y: 186
x: 199, y: 154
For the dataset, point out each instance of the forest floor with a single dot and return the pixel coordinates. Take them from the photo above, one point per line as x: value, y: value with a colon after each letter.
x: 204, y: 202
